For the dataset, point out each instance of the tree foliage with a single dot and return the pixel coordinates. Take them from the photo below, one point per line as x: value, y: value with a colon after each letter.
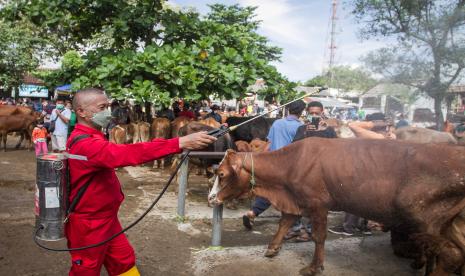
x: 158, y: 56
x: 77, y: 24
x: 345, y: 78
x: 18, y: 53
x: 430, y: 49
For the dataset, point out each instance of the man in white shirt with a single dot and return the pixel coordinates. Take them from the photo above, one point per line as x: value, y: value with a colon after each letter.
x: 61, y: 116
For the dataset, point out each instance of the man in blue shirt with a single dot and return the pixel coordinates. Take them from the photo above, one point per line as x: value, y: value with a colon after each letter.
x: 281, y: 134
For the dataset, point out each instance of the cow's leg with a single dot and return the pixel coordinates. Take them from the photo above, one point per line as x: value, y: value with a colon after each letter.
x: 319, y: 219
x: 405, y: 247
x: 443, y: 256
x: 450, y: 259
x: 3, y: 136
x: 21, y: 138
x: 284, y: 224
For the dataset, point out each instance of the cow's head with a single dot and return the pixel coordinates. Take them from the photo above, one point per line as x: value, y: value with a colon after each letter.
x: 232, y: 180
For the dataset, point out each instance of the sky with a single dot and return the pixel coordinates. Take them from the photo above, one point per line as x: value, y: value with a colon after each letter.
x: 302, y: 29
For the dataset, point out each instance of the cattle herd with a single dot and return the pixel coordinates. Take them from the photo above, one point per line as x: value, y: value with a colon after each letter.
x: 414, y: 187
x: 17, y: 119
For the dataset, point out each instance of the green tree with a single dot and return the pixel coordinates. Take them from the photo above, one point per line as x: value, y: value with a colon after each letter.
x: 19, y: 53
x: 345, y: 78
x: 71, y: 66
x: 194, y: 57
x: 430, y: 51
x: 79, y: 24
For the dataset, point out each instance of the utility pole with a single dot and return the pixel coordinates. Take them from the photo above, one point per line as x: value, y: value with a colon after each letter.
x: 332, y: 46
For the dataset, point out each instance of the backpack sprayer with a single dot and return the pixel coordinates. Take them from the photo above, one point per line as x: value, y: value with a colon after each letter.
x: 51, y: 199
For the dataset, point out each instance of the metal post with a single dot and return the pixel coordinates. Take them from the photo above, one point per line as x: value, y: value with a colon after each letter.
x: 217, y: 225
x: 182, y: 184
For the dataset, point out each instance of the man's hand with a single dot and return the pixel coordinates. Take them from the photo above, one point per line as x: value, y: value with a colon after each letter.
x: 58, y: 112
x: 311, y: 127
x: 196, y: 141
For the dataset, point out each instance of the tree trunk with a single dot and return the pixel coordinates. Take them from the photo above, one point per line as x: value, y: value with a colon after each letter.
x: 148, y: 112
x: 438, y: 112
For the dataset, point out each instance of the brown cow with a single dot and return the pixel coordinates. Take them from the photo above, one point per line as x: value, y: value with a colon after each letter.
x: 210, y: 122
x: 243, y: 146
x: 424, y: 135
x: 420, y: 187
x: 177, y: 124
x: 9, y: 110
x: 141, y: 132
x: 122, y: 134
x: 257, y: 145
x: 161, y: 128
x: 19, y: 122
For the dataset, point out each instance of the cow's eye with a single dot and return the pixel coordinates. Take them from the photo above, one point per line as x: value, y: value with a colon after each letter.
x: 221, y: 174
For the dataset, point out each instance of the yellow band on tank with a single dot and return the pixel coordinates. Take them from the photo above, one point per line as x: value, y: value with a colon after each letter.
x: 131, y: 272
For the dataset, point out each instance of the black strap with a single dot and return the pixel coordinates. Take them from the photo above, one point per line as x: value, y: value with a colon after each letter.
x: 77, y: 139
x: 81, y: 190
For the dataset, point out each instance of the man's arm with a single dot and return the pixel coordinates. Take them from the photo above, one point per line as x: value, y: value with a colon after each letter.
x: 362, y: 130
x: 104, y: 154
x: 64, y: 117
x: 300, y: 134
x: 331, y: 132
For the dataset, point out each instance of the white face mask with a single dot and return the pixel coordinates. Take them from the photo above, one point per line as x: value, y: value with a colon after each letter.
x: 102, y: 118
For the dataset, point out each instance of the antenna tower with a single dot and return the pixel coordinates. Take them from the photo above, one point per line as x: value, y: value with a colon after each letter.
x: 332, y: 46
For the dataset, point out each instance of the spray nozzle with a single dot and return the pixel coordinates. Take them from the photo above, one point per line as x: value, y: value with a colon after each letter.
x: 218, y: 132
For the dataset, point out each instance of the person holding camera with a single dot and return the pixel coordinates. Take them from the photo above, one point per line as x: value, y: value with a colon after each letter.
x: 315, y: 127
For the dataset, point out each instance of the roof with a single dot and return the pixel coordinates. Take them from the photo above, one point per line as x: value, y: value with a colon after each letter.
x: 329, y: 102
x: 310, y: 89
x: 30, y: 79
x: 386, y: 89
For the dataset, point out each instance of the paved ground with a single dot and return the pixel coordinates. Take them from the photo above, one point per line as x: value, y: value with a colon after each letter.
x: 165, y: 247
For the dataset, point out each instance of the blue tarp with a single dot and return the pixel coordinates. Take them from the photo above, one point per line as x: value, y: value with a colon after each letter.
x: 64, y: 88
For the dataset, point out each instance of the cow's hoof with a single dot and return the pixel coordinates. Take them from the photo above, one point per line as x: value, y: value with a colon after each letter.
x: 270, y: 253
x: 310, y: 270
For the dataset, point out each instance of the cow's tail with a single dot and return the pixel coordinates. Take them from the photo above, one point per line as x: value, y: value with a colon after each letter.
x: 456, y: 231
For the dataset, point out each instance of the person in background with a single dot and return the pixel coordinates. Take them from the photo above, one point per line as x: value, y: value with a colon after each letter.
x: 186, y: 112
x: 60, y: 116
x: 249, y: 109
x: 281, y: 134
x: 255, y: 109
x: 402, y: 122
x: 213, y: 113
x: 39, y: 138
x: 72, y: 119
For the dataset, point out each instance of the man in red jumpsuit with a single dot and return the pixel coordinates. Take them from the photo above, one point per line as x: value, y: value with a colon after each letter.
x: 95, y: 217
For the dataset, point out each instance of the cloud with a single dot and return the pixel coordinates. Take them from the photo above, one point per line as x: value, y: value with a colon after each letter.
x: 279, y: 22
x: 301, y: 28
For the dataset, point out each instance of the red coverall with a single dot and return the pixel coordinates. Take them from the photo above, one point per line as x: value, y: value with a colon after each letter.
x: 96, y: 215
